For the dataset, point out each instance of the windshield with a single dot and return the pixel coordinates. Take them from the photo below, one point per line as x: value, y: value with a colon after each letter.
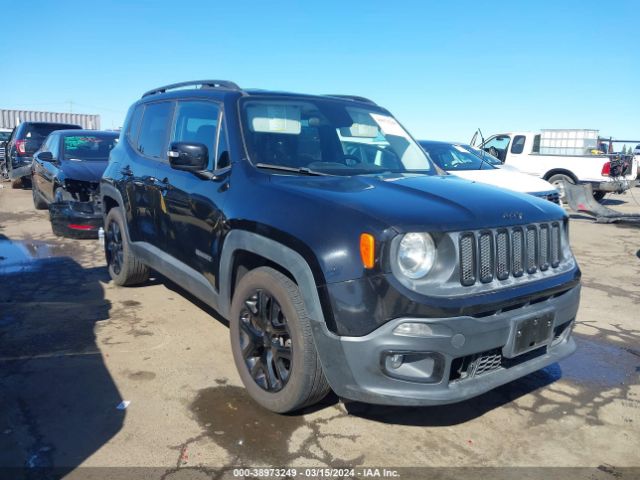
x: 88, y: 147
x: 329, y: 136
x: 454, y: 157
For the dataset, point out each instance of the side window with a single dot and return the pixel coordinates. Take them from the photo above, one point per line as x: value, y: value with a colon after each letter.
x: 222, y: 152
x: 497, y: 146
x: 536, y: 144
x: 197, y: 122
x: 154, y: 128
x: 134, y: 125
x: 51, y: 145
x: 54, y: 145
x: 518, y: 144
x: 46, y: 145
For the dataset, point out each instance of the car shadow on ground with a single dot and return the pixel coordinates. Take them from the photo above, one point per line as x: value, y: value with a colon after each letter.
x: 58, y: 400
x: 457, y: 413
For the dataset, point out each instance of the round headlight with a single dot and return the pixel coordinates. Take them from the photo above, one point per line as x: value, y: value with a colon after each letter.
x: 416, y: 255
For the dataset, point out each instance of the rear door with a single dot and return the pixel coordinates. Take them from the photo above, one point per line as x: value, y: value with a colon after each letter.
x: 147, y: 135
x: 192, y: 215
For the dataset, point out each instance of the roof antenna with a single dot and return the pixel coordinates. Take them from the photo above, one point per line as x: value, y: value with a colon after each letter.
x: 482, y: 160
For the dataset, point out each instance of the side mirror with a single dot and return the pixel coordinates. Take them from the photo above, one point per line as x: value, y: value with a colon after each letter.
x: 45, y: 156
x: 189, y: 157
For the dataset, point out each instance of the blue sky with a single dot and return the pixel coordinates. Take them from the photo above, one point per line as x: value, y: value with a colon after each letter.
x: 443, y: 68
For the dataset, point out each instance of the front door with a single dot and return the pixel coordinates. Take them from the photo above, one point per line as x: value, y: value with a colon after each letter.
x: 192, y: 214
x: 498, y: 147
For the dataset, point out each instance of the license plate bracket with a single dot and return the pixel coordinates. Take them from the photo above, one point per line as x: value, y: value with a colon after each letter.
x: 529, y: 333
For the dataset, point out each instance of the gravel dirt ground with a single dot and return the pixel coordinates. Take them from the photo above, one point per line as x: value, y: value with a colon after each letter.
x: 73, y: 346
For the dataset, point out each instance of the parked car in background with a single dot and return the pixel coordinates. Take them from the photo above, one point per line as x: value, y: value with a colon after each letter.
x: 569, y: 162
x: 25, y: 139
x: 65, y: 177
x: 462, y: 161
x: 377, y: 276
x: 636, y: 151
x: 5, y: 133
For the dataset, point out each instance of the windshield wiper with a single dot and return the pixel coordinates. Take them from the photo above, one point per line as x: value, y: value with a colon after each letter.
x: 283, y: 168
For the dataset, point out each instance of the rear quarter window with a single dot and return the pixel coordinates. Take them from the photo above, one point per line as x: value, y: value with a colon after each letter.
x: 134, y: 126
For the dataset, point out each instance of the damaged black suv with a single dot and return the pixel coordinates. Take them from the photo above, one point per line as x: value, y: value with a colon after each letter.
x: 368, y: 270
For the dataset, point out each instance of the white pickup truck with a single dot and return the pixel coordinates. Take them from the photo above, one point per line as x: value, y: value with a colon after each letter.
x: 567, y: 160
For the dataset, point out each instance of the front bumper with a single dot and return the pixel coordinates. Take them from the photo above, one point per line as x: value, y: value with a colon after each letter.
x: 20, y: 171
x: 76, y: 219
x: 617, y: 186
x: 355, y: 366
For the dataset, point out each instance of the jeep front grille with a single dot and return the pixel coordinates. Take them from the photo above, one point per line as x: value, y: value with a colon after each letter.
x: 509, y: 252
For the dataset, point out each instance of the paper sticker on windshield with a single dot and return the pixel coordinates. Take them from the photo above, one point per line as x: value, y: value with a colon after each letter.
x: 461, y: 149
x: 388, y: 125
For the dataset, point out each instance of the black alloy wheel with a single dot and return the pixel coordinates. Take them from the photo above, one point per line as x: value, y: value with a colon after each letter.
x: 114, y: 249
x: 266, y: 341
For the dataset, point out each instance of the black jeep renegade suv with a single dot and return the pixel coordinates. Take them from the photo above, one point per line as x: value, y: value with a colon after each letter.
x: 342, y: 257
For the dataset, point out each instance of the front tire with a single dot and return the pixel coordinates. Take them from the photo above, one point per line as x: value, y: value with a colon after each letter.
x: 124, y: 268
x: 272, y: 343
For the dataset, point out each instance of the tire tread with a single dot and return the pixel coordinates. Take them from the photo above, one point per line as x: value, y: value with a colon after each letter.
x: 133, y: 271
x: 313, y: 386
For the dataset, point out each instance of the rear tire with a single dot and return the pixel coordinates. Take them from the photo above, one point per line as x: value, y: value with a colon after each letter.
x: 16, y: 183
x: 124, y: 267
x: 599, y: 195
x: 275, y: 342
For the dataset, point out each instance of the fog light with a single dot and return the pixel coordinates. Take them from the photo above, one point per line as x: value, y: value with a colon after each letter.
x: 413, y: 330
x: 424, y: 367
x: 395, y: 361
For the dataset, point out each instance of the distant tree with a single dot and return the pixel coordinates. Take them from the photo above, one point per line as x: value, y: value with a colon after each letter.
x: 624, y: 149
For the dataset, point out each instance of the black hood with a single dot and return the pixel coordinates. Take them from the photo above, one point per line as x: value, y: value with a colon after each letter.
x: 441, y: 203
x: 83, y: 170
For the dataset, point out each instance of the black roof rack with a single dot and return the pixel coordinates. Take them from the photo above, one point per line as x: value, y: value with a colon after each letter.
x: 204, y: 84
x: 354, y: 97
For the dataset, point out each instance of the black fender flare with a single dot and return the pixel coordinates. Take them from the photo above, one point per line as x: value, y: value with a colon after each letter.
x: 328, y: 344
x: 276, y: 252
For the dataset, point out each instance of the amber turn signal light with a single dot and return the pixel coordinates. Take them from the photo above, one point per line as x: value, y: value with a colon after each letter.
x: 367, y: 250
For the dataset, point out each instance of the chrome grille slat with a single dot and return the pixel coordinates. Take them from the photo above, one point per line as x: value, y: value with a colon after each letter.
x: 544, y: 247
x: 467, y: 260
x: 502, y: 254
x: 518, y: 252
x: 485, y: 246
x: 555, y: 245
x: 531, y: 250
x: 509, y: 252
